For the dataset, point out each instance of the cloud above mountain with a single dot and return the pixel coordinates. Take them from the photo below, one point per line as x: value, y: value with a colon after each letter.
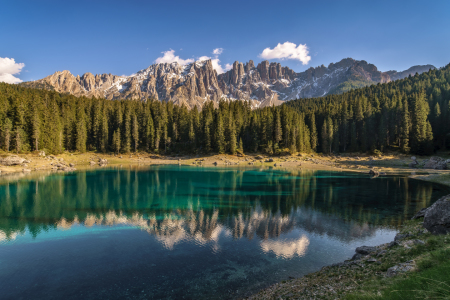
x: 9, y: 68
x: 169, y: 57
x: 287, y: 50
x: 217, y: 51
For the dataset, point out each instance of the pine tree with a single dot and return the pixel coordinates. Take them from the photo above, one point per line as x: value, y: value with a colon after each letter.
x: 325, y: 137
x: 313, y: 130
x: 126, y: 132
x: 116, y: 141
x: 150, y: 131
x: 219, y: 136
x: 104, y: 132
x: 278, y: 131
x: 7, y: 133
x: 404, y: 129
x: 135, y: 133
x: 232, y: 138
x: 419, y: 130
x: 191, y: 134
x: 36, y: 129
x: 81, y: 131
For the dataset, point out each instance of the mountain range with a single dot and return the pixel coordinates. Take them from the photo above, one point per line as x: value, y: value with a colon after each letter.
x: 193, y: 84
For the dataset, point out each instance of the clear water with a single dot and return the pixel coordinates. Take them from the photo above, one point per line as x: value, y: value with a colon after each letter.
x: 171, y: 232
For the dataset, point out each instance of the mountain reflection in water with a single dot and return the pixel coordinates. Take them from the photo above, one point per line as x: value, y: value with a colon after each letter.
x: 268, y: 215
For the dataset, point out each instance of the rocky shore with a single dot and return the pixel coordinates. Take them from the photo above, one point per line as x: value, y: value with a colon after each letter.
x: 427, y: 231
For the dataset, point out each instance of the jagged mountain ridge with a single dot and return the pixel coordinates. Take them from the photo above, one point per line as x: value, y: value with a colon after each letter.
x: 198, y: 82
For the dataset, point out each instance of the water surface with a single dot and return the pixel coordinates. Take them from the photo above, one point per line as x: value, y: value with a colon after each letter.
x: 177, y: 232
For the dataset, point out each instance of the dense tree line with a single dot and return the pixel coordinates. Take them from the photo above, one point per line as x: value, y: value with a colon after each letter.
x: 33, y: 119
x: 412, y: 115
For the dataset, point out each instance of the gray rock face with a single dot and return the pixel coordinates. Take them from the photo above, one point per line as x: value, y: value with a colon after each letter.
x: 437, y: 216
x: 194, y: 84
x: 11, y: 160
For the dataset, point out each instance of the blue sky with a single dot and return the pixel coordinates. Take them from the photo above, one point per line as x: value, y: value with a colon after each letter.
x: 123, y: 37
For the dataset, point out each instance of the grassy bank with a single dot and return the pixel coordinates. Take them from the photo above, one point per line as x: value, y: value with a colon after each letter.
x: 367, y: 278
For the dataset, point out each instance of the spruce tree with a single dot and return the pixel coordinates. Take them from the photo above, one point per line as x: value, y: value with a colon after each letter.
x: 7, y: 131
x: 313, y: 132
x: 135, y: 132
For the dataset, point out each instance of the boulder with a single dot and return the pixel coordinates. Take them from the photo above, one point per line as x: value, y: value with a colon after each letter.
x: 437, y: 216
x: 413, y: 164
x: 92, y: 163
x: 72, y: 165
x: 400, y: 268
x: 102, y: 162
x: 399, y: 237
x: 436, y: 163
x: 365, y: 250
x: 269, y: 160
x: 419, y: 214
x: 215, y: 163
x: 12, y: 160
x: 259, y: 157
x: 374, y: 173
x: 413, y: 158
x: 410, y: 243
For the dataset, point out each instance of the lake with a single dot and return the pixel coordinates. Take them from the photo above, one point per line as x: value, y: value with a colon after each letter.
x: 180, y: 232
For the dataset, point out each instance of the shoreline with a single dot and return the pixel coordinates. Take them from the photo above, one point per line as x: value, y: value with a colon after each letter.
x: 385, y: 165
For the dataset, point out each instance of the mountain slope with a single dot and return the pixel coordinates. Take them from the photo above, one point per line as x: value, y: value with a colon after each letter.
x: 263, y: 85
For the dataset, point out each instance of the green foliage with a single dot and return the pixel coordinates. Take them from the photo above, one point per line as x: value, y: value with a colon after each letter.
x: 393, y: 115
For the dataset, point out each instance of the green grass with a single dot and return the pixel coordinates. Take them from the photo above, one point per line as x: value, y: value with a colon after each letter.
x: 430, y: 281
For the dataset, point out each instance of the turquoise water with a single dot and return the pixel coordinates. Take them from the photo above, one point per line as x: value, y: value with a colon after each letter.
x: 175, y: 232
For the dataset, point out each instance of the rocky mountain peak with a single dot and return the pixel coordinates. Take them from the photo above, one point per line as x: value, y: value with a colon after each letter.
x: 269, y: 83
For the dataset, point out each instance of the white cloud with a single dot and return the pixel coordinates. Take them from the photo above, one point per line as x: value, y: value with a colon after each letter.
x: 169, y: 57
x: 8, y: 68
x: 217, y: 51
x: 201, y: 58
x: 288, y: 51
x: 216, y: 64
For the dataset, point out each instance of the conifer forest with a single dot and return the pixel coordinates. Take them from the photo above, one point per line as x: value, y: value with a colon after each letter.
x: 411, y: 115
